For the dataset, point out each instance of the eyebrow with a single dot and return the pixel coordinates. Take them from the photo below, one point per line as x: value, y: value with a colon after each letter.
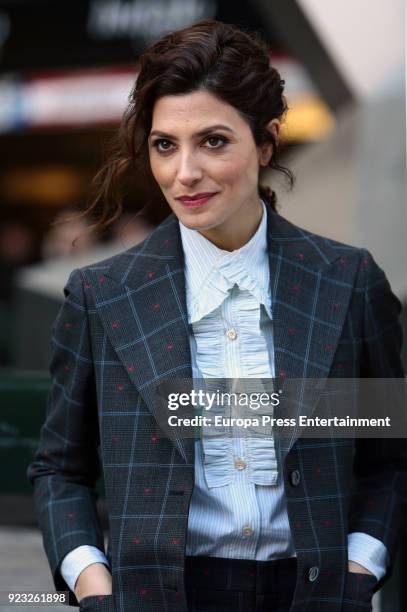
x: 207, y: 130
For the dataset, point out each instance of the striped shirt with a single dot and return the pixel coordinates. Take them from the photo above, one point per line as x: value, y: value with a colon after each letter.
x: 237, y: 507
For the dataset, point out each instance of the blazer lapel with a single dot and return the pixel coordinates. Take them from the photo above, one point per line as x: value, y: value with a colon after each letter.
x: 311, y: 289
x: 142, y: 305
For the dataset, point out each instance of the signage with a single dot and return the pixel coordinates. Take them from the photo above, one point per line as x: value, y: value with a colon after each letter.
x: 44, y: 34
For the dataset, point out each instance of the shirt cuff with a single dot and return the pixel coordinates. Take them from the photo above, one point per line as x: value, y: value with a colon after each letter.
x: 369, y: 552
x: 77, y: 559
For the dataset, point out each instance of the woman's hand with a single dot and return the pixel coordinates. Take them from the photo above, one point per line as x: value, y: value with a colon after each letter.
x: 356, y: 567
x: 93, y: 580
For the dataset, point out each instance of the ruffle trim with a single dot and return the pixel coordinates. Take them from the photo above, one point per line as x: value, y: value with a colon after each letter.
x: 218, y: 450
x: 215, y: 289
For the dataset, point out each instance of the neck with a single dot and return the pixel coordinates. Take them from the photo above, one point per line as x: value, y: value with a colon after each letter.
x: 237, y: 234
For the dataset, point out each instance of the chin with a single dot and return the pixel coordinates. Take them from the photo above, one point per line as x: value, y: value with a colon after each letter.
x: 194, y: 217
x: 198, y: 222
x: 195, y: 225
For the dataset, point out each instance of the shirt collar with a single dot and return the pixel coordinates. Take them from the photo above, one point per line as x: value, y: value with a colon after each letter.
x: 210, y: 271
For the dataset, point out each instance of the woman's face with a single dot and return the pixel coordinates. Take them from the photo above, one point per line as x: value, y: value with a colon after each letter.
x: 205, y: 160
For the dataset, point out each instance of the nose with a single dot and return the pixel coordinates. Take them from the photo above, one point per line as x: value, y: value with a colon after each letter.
x: 189, y: 171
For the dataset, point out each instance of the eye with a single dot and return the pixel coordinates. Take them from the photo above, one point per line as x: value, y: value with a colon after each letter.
x: 162, y: 145
x: 216, y: 142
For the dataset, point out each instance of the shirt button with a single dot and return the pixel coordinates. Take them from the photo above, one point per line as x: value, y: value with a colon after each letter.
x: 240, y: 464
x: 231, y: 334
x: 247, y: 531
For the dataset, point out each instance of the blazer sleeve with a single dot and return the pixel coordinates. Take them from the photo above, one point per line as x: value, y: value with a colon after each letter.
x: 378, y: 502
x: 66, y: 465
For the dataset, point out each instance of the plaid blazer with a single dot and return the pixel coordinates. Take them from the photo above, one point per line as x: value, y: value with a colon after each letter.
x: 122, y: 329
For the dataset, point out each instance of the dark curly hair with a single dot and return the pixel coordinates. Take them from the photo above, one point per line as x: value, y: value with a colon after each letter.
x: 220, y: 58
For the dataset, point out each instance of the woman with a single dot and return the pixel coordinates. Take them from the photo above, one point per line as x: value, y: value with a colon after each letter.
x: 223, y: 287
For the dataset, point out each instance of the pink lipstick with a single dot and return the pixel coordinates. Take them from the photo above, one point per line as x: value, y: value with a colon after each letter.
x: 197, y: 200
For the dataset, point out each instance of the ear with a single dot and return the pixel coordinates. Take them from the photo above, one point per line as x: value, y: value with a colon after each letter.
x: 266, y: 150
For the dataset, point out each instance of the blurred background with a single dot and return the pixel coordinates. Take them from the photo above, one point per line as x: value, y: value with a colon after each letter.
x: 66, y: 70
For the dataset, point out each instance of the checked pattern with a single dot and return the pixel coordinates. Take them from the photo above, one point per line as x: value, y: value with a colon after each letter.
x: 122, y: 329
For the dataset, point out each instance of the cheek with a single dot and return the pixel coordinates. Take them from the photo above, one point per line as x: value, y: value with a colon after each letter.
x: 234, y: 172
x: 161, y: 170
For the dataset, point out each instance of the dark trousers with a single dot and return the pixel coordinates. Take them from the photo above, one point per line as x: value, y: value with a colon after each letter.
x: 214, y: 584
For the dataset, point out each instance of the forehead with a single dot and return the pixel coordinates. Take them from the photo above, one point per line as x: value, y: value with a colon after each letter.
x: 193, y: 111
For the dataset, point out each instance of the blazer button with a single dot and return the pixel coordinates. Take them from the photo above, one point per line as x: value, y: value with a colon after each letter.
x: 313, y: 573
x: 295, y: 478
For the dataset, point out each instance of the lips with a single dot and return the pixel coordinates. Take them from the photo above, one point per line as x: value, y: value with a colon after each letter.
x: 194, y: 201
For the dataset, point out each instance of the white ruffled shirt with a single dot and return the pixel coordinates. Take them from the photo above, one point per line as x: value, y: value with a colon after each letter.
x: 230, y: 291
